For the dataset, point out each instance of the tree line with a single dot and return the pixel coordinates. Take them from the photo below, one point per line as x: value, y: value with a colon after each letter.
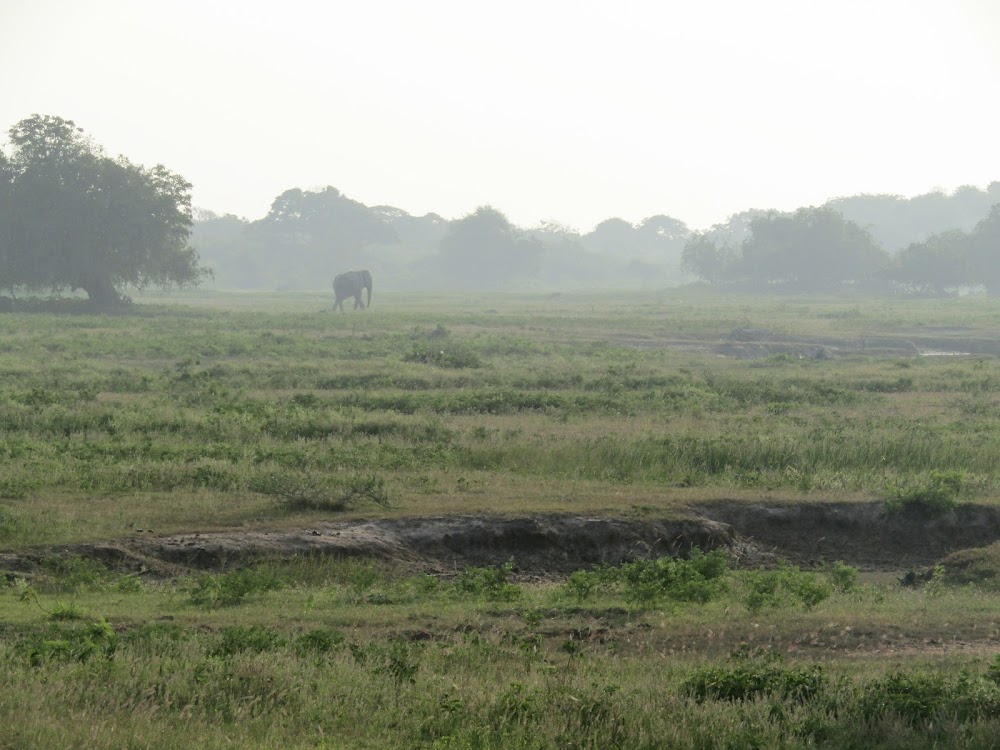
x: 75, y: 218
x: 819, y: 250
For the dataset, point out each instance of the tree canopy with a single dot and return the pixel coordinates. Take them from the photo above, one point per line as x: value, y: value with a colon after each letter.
x: 484, y: 250
x: 77, y: 218
x: 812, y: 249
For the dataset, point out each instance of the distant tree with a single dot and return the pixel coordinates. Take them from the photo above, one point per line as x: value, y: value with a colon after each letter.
x: 897, y: 222
x: 484, y: 250
x: 325, y: 223
x: 814, y: 249
x: 82, y: 220
x: 983, y: 251
x: 935, y: 265
x: 611, y: 236
x: 706, y: 259
x: 663, y: 233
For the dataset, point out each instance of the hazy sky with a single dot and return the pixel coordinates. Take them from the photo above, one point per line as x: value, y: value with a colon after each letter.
x: 571, y: 111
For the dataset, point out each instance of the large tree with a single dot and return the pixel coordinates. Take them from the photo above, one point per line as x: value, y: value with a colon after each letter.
x: 485, y: 251
x: 935, y: 265
x: 80, y: 219
x: 813, y: 249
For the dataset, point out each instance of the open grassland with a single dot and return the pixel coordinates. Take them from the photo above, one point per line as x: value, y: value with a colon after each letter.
x: 326, y: 653
x: 234, y: 411
x: 194, y: 417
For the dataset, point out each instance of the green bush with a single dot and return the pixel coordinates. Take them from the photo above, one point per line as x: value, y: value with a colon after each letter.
x: 932, y: 498
x: 70, y: 643
x: 490, y: 583
x: 785, y: 585
x: 697, y: 579
x: 843, y: 577
x: 232, y: 588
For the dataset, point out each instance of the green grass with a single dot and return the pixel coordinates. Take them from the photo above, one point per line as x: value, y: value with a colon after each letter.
x: 353, y: 653
x: 209, y: 411
x: 245, y: 408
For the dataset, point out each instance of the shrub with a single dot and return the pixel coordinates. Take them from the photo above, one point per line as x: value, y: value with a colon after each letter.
x: 228, y: 589
x: 786, y: 585
x: 843, y: 577
x: 697, y: 579
x: 490, y: 583
x: 67, y: 644
x: 931, y: 499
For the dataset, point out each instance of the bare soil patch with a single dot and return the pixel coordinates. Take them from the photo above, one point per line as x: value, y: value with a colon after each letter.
x: 809, y: 534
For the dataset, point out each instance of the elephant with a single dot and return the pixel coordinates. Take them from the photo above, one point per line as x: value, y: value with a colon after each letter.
x: 350, y: 284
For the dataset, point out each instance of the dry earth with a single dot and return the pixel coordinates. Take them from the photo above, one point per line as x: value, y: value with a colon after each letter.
x: 808, y: 534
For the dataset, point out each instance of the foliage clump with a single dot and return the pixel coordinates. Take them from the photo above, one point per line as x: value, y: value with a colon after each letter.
x: 313, y: 491
x: 787, y: 584
x: 492, y: 584
x: 932, y: 498
x: 233, y: 587
x: 753, y: 674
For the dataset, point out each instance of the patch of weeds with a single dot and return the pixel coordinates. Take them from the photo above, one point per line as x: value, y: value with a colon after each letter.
x: 400, y: 661
x: 65, y: 613
x: 517, y: 705
x: 919, y: 697
x: 215, y: 475
x: 73, y: 573
x: 9, y: 523
x: 753, y: 674
x: 319, y: 641
x: 454, y: 356
x: 232, y: 588
x: 69, y: 644
x: 932, y: 498
x: 155, y: 637
x: 309, y: 491
x: 306, y: 400
x: 492, y: 584
x: 785, y: 585
x: 237, y: 639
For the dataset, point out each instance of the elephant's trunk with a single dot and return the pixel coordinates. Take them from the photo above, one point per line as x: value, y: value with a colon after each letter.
x: 368, y: 286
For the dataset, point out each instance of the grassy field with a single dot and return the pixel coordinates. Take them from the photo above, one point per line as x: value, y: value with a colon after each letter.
x: 236, y: 411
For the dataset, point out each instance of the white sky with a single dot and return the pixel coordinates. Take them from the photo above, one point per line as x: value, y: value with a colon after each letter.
x: 564, y: 110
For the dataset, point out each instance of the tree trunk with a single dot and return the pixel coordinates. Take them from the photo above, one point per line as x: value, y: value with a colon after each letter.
x: 102, y: 294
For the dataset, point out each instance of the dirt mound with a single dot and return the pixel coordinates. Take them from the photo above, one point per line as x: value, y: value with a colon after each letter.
x: 861, y: 534
x: 539, y: 545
